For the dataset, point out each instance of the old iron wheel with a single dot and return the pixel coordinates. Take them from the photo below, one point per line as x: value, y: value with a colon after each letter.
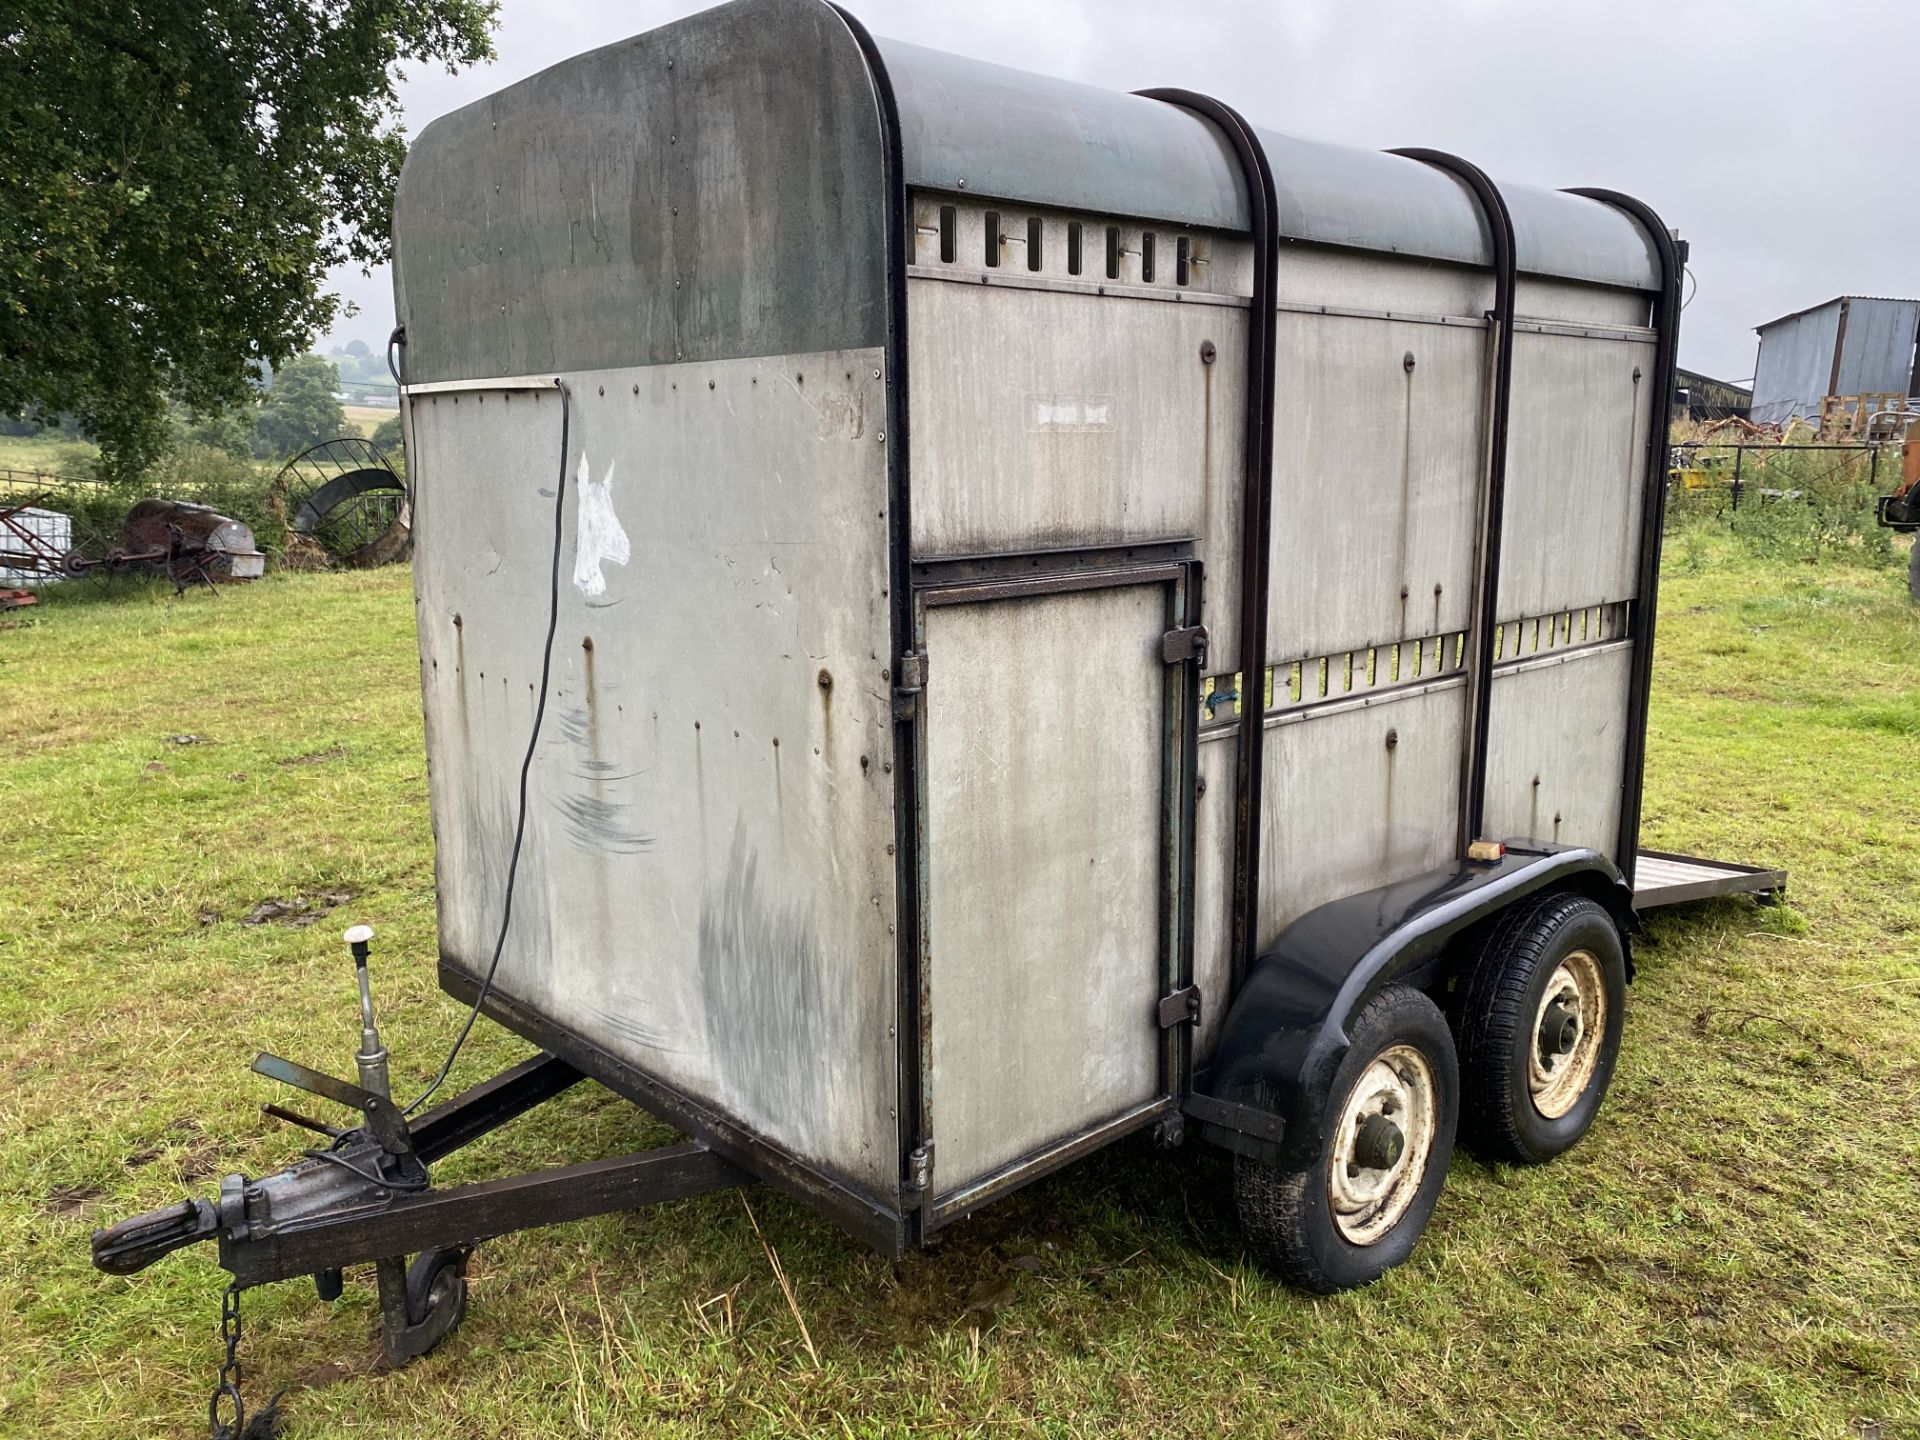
x: 1541, y: 1004
x: 1360, y: 1207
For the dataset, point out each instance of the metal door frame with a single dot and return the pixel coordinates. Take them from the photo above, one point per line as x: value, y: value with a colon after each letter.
x: 983, y: 580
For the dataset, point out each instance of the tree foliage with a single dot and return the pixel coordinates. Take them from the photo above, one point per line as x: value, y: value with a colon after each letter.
x: 300, y: 410
x: 175, y: 181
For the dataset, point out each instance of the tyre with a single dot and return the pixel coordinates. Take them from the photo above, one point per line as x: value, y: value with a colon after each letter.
x: 1540, y: 1014
x: 1359, y: 1208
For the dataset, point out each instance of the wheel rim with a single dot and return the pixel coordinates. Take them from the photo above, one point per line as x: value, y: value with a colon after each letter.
x: 1563, y: 1049
x: 1368, y: 1197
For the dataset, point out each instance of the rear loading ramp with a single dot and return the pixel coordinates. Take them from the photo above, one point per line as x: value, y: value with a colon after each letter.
x: 1663, y: 879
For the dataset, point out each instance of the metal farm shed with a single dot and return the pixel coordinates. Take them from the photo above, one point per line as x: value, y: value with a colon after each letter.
x: 1852, y: 345
x: 963, y: 616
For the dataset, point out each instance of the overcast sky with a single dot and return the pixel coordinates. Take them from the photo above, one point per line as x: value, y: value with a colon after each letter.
x: 1759, y: 128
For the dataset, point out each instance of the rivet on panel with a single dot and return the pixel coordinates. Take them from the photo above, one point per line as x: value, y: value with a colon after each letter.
x: 1208, y: 354
x: 825, y: 679
x: 1407, y: 362
x: 1393, y: 739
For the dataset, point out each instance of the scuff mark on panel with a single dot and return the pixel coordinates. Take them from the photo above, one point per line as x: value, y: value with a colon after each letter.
x: 768, y: 1006
x: 598, y: 535
x: 602, y: 826
x: 627, y: 1028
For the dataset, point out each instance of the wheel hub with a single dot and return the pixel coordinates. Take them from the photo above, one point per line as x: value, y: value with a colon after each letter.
x: 1559, y: 1032
x: 1568, y: 1030
x: 1381, y: 1144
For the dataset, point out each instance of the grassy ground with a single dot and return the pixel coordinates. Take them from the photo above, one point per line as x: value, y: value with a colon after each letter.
x: 1732, y: 1251
x: 365, y: 419
x: 51, y: 454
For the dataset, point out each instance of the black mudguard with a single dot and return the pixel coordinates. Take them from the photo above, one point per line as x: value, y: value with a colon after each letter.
x: 1265, y: 1092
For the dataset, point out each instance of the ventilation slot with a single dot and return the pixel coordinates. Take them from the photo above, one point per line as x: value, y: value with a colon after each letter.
x: 949, y: 223
x: 1146, y: 258
x: 993, y: 239
x: 1073, y: 247
x: 1182, y: 261
x: 1113, y: 252
x: 1033, y: 243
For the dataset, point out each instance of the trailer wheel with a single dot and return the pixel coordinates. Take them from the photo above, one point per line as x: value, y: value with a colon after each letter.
x: 1359, y: 1208
x: 1540, y: 1021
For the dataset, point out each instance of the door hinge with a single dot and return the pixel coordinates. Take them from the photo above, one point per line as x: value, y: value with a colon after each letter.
x: 909, y: 682
x: 920, y: 1168
x: 1182, y: 1007
x: 1179, y: 646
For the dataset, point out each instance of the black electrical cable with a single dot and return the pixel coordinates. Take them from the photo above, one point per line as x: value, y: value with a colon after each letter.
x: 526, y: 762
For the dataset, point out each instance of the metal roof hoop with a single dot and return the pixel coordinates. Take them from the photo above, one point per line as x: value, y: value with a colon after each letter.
x: 1486, y: 580
x: 1256, y: 516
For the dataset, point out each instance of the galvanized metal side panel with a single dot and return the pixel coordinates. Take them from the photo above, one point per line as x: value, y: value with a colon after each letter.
x: 712, y: 188
x: 705, y: 890
x: 1356, y: 799
x: 1046, y: 419
x: 1376, y: 477
x: 1044, y: 773
x: 1795, y: 363
x: 984, y: 129
x: 1877, y: 358
x: 1555, y: 749
x: 1569, y: 303
x: 1576, y: 467
x: 1316, y: 275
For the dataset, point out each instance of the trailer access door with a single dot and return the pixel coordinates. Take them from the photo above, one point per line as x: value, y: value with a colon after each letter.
x: 1056, y: 730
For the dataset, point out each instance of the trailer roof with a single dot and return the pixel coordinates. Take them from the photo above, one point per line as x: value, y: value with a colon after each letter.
x: 988, y: 130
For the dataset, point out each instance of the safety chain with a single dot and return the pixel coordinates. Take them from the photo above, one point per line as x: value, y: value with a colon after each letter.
x: 227, y: 1387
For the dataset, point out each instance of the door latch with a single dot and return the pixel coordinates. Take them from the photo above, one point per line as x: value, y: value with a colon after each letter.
x: 1189, y: 643
x: 1182, y: 1007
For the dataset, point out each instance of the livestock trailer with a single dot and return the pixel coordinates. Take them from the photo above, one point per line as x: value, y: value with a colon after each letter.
x: 964, y: 616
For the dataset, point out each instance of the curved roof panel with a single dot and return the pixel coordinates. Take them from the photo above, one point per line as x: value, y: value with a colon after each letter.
x: 1006, y: 134
x: 1370, y: 200
x: 1573, y: 238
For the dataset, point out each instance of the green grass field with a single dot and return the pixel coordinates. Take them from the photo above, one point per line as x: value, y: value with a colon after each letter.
x: 1734, y: 1250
